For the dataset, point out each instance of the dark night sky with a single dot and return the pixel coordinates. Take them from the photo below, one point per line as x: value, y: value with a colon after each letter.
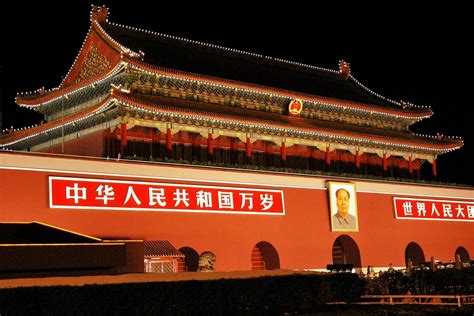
x: 402, y: 53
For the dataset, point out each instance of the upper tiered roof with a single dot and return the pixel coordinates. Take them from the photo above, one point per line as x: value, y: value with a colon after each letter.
x: 110, y: 50
x: 230, y: 65
x: 195, y: 57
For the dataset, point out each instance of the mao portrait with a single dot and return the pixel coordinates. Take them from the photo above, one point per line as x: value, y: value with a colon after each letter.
x: 343, y: 207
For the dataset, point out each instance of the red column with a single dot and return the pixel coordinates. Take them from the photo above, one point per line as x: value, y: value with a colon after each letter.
x: 434, y: 168
x: 384, y: 162
x: 123, y: 136
x: 169, y: 143
x: 210, y: 145
x: 248, y: 148
x: 283, y: 151
x: 357, y: 159
x: 328, y: 156
x: 410, y: 165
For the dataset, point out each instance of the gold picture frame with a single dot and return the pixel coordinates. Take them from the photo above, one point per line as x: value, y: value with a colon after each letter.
x: 343, y: 206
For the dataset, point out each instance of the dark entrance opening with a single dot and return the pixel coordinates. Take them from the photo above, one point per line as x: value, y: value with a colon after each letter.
x: 463, y: 254
x: 346, y: 251
x: 191, y: 259
x: 414, y: 252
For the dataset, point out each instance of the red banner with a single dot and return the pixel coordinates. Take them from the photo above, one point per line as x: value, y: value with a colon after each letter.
x: 441, y: 210
x: 84, y: 193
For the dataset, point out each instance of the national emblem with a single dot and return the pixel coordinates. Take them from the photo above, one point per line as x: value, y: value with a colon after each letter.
x: 295, y: 107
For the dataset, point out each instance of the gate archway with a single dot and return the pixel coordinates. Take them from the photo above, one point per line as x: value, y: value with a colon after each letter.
x: 463, y: 254
x: 414, y: 252
x: 191, y: 258
x: 264, y: 257
x: 346, y: 251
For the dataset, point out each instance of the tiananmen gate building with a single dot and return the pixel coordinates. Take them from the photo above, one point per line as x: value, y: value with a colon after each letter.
x: 201, y: 153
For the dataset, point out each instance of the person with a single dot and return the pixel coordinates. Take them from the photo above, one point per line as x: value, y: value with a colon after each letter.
x: 370, y: 272
x: 342, y: 220
x: 390, y: 268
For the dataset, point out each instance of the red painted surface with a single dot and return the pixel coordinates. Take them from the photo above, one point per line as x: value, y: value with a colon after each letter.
x: 357, y: 159
x: 103, y: 48
x: 101, y: 142
x: 96, y: 193
x: 442, y: 210
x: 108, y: 142
x: 181, y: 265
x: 158, y: 70
x: 88, y: 145
x: 328, y: 156
x: 210, y: 144
x: 123, y: 138
x: 70, y: 84
x: 257, y: 259
x: 283, y: 151
x: 302, y: 237
x: 248, y: 148
x: 169, y: 142
x: 232, y: 144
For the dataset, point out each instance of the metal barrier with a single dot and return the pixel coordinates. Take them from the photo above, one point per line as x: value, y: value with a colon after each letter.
x: 453, y: 300
x: 340, y: 267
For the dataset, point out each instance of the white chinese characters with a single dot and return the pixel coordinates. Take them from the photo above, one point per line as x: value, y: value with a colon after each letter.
x: 76, y: 193
x: 167, y: 197
x: 156, y: 196
x: 406, y: 208
x: 105, y: 193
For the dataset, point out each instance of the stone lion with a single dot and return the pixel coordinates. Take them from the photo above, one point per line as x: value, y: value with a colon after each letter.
x: 206, y: 262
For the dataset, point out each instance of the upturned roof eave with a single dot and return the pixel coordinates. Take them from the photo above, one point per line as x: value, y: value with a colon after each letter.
x: 449, y: 144
x: 35, y: 99
x: 413, y: 114
x: 420, y: 111
x: 33, y: 102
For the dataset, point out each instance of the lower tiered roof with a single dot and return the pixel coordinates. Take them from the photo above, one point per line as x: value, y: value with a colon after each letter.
x: 214, y: 116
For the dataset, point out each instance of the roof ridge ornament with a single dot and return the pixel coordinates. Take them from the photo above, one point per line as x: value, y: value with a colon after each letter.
x: 344, y: 69
x: 99, y: 13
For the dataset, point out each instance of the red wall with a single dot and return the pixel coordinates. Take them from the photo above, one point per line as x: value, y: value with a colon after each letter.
x: 89, y: 145
x: 302, y: 237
